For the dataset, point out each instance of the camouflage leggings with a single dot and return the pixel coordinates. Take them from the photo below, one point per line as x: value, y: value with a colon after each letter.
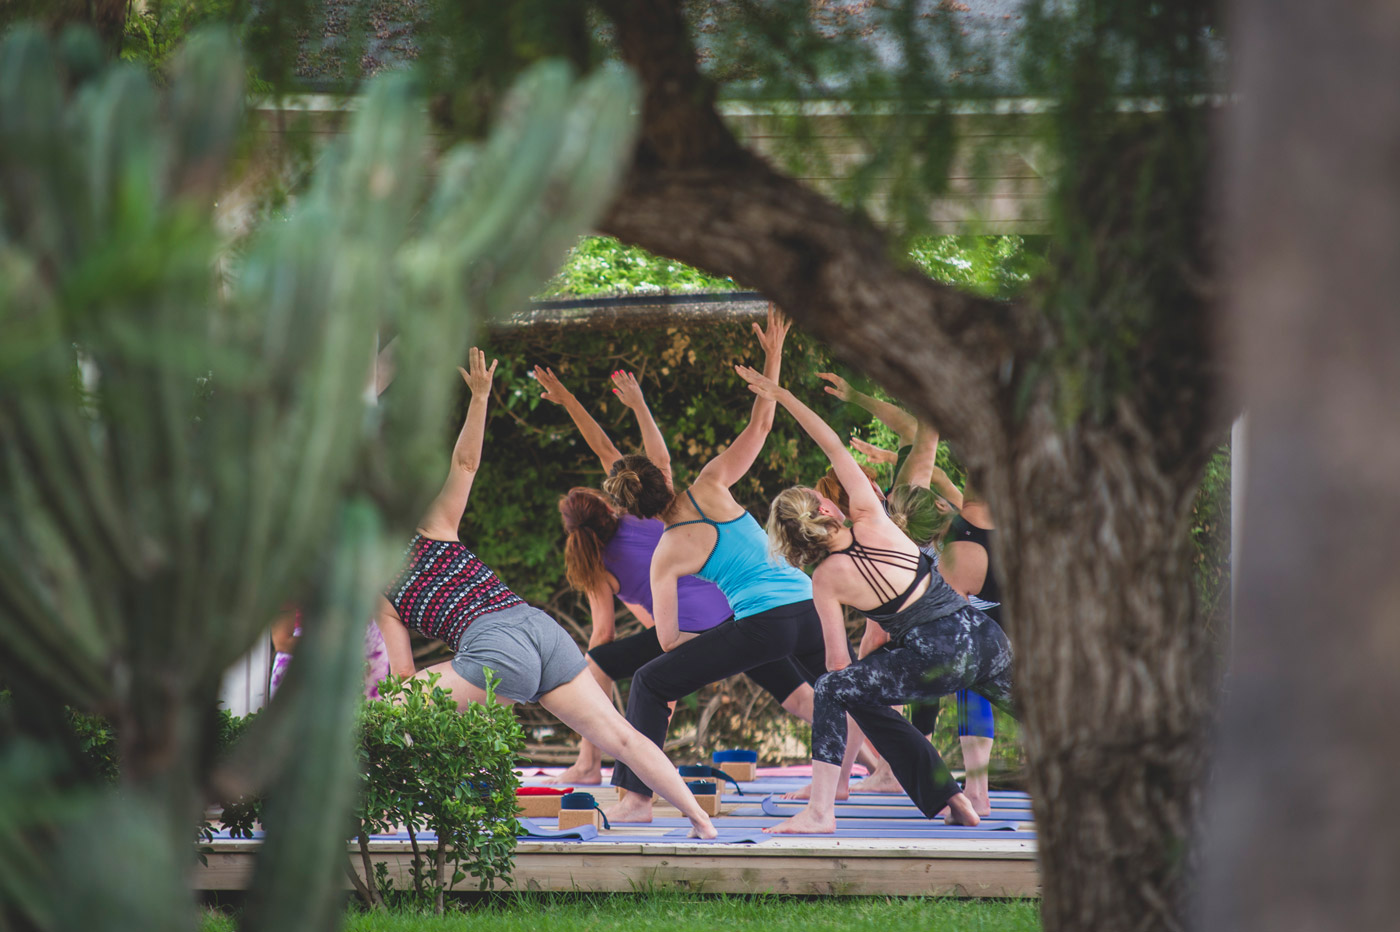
x: 962, y: 650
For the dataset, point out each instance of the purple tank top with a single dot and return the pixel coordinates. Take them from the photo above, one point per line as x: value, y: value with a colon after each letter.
x: 627, y: 556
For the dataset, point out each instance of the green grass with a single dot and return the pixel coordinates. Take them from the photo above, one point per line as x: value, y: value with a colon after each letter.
x: 664, y: 912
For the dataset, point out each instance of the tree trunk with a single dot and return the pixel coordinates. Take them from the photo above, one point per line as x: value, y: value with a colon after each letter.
x: 106, y: 17
x: 1113, y: 677
x: 1303, y: 823
x: 1112, y: 658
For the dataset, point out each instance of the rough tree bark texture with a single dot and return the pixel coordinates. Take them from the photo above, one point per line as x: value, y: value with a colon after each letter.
x: 1112, y: 671
x: 1302, y: 821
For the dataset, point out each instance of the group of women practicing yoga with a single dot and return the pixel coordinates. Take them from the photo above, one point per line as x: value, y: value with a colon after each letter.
x: 719, y: 597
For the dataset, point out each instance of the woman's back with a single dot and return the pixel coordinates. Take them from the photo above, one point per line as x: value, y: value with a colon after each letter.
x: 738, y: 561
x: 884, y: 575
x: 628, y: 557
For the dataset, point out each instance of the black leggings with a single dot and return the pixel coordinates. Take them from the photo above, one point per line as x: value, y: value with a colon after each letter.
x: 624, y: 657
x: 961, y: 650
x: 788, y: 631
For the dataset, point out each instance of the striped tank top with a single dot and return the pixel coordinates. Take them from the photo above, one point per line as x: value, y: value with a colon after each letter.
x: 443, y: 587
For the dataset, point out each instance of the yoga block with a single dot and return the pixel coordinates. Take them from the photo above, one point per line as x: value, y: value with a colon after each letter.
x: 708, y: 802
x: 538, y: 807
x: 743, y: 771
x: 573, y: 818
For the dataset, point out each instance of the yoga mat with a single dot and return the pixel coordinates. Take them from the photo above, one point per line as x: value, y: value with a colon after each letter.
x: 947, y: 831
x: 735, y: 836
x: 534, y: 829
x: 893, y: 802
x: 776, y: 807
x: 894, y: 810
x: 860, y: 828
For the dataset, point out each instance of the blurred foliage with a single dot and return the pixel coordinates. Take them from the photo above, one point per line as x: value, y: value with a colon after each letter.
x: 428, y: 767
x: 602, y: 265
x: 187, y: 445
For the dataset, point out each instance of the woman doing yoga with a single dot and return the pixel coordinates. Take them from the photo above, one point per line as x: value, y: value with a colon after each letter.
x: 710, y: 534
x: 938, y: 643
x: 933, y: 513
x: 608, y: 555
x: 447, y: 593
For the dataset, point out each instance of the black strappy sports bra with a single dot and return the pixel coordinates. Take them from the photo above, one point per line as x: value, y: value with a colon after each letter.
x: 868, y: 561
x: 937, y: 601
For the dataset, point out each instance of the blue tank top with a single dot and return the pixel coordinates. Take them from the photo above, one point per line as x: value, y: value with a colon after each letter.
x: 745, y: 572
x: 700, y: 604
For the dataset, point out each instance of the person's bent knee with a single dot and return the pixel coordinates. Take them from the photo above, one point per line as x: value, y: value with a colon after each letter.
x: 828, y: 688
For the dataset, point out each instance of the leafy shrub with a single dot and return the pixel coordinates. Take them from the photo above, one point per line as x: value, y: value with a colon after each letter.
x: 97, y: 741
x: 428, y: 766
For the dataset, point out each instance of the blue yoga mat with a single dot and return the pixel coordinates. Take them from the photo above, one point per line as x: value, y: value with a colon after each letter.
x: 895, y: 809
x: 1001, y: 829
x: 776, y: 807
x: 535, y: 829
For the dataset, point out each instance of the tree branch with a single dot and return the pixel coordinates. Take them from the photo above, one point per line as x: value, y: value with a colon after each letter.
x: 952, y: 356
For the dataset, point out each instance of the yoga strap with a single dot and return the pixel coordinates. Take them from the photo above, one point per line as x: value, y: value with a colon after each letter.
x: 705, y: 770
x: 583, y: 801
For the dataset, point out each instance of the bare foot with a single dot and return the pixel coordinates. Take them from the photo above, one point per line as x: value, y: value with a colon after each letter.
x: 960, y: 811
x: 842, y: 792
x: 634, y: 807
x: 881, y: 781
x: 701, y: 827
x: 806, y: 822
x: 579, y: 774
x: 981, y: 802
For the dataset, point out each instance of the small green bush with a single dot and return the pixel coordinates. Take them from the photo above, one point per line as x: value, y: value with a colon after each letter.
x: 428, y: 766
x: 425, y: 766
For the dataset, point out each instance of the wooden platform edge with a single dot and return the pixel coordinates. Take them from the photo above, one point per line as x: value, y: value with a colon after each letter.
x: 619, y: 868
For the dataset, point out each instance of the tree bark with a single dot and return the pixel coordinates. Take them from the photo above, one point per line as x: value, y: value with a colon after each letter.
x: 1113, y: 675
x: 1302, y: 824
x: 1113, y: 668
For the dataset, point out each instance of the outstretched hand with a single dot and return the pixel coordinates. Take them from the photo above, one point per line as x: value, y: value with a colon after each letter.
x: 838, y: 387
x: 627, y: 390
x: 873, y: 453
x: 771, y: 338
x: 476, y: 375
x: 554, y: 389
x: 760, y: 384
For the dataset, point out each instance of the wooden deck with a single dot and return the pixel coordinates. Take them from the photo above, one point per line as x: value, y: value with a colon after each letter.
x: 869, y: 866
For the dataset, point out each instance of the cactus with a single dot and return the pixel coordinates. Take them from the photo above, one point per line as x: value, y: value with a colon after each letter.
x: 179, y: 458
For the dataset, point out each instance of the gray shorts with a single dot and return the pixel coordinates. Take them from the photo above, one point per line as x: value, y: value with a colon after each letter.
x: 525, y: 649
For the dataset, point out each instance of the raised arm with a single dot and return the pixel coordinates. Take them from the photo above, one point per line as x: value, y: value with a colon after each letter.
x: 877, y: 455
x: 728, y: 467
x: 593, y: 435
x: 918, y: 467
x: 653, y: 443
x: 445, y: 513
x: 862, y: 497
x: 892, y: 416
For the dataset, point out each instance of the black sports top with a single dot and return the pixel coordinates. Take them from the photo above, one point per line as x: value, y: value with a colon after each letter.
x: 938, y: 600
x: 961, y: 530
